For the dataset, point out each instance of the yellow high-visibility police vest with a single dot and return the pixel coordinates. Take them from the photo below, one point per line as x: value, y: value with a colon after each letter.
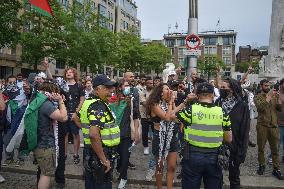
x: 206, y: 128
x: 110, y: 134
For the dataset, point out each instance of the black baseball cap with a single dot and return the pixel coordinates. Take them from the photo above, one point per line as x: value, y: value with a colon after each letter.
x: 102, y: 79
x: 204, y: 88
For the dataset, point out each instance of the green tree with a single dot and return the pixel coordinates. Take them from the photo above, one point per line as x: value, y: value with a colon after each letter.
x: 209, y: 64
x: 73, y: 37
x: 129, y: 52
x: 243, y: 66
x: 155, y: 55
x: 9, y: 22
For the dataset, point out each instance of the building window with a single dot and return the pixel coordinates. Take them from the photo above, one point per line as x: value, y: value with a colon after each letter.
x: 170, y: 43
x: 60, y: 64
x: 180, y: 52
x: 64, y: 3
x: 210, y: 50
x: 227, y: 50
x: 210, y: 40
x: 227, y: 40
x: 180, y: 42
x: 227, y: 60
x: 80, y: 1
x: 227, y: 72
x: 93, y: 5
x: 102, y: 10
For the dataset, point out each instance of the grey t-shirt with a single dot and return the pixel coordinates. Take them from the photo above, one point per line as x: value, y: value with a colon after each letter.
x: 45, y: 132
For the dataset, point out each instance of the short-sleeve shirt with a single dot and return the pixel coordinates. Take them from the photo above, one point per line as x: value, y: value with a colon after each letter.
x: 185, y: 117
x: 73, y: 97
x: 45, y: 125
x: 99, y: 114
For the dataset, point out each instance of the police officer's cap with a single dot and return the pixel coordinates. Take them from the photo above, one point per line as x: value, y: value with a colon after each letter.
x: 204, y: 88
x: 102, y: 79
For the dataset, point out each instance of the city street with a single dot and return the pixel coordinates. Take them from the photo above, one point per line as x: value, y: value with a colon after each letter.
x: 24, y: 176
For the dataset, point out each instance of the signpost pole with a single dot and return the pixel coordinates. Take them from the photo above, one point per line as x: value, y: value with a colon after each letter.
x: 192, y: 29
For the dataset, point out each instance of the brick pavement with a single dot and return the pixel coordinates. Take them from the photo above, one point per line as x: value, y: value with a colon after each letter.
x: 249, y: 177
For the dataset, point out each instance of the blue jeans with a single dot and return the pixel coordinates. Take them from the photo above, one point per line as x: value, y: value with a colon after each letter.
x: 201, y: 165
x: 90, y: 182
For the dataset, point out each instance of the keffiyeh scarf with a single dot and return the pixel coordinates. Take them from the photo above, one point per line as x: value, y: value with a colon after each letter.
x: 229, y: 103
x: 165, y: 134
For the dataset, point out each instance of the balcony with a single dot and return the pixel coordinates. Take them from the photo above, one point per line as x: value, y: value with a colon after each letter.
x: 11, y: 57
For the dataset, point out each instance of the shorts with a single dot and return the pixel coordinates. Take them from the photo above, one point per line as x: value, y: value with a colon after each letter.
x: 46, y: 160
x: 174, y: 145
x: 70, y: 126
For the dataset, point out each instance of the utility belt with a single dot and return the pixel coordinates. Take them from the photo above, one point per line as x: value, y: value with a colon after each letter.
x: 222, y: 153
x: 192, y: 148
x: 93, y: 165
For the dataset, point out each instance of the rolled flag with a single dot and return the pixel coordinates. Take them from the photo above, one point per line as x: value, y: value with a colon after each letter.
x: 42, y: 7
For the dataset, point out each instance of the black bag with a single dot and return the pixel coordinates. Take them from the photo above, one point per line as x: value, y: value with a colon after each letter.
x: 223, y: 157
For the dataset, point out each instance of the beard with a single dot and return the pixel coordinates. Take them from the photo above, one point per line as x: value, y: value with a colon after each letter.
x: 265, y: 90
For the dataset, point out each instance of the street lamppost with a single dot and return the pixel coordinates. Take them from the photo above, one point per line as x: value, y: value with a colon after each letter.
x: 192, y: 29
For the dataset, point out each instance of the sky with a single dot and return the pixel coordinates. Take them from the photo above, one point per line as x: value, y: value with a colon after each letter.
x: 249, y: 18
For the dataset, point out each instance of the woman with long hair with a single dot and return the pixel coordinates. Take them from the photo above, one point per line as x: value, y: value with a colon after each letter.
x: 161, y: 108
x: 232, y: 103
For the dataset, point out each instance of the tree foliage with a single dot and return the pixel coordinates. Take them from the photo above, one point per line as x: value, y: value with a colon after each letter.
x: 243, y: 66
x: 9, y: 22
x: 79, y: 36
x: 209, y: 65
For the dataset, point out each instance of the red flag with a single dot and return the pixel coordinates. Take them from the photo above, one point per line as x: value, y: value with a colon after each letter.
x: 42, y: 7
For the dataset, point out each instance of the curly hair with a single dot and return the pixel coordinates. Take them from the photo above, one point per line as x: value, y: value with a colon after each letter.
x: 76, y: 77
x: 154, y: 98
x: 49, y: 86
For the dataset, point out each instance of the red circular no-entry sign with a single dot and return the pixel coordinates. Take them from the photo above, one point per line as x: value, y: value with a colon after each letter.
x: 192, y: 42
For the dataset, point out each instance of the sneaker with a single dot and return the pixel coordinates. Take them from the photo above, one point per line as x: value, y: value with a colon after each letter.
x: 146, y: 151
x: 277, y: 174
x: 270, y: 160
x: 2, y: 179
x: 261, y: 170
x: 7, y: 162
x: 76, y: 159
x: 131, y: 166
x: 122, y: 184
x: 149, y: 175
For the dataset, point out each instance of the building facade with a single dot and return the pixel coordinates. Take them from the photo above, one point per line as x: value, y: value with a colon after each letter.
x: 121, y: 15
x: 213, y: 43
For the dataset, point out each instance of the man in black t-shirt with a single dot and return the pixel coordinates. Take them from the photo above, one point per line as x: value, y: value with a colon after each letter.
x: 74, y: 100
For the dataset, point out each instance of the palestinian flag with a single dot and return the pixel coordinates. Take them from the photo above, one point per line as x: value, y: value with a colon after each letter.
x: 41, y: 6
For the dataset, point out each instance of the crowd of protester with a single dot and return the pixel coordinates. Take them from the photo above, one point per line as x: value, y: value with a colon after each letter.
x: 206, y: 123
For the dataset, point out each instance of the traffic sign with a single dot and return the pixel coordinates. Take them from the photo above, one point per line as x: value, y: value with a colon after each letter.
x: 192, y: 52
x: 192, y: 42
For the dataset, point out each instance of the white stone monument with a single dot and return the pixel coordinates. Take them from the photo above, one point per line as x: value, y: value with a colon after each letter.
x: 272, y: 66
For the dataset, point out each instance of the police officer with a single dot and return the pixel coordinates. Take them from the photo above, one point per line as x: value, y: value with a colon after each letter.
x: 101, y: 135
x: 205, y: 128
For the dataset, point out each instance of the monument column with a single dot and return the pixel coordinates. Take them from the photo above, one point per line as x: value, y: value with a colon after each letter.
x: 273, y: 65
x: 192, y: 29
